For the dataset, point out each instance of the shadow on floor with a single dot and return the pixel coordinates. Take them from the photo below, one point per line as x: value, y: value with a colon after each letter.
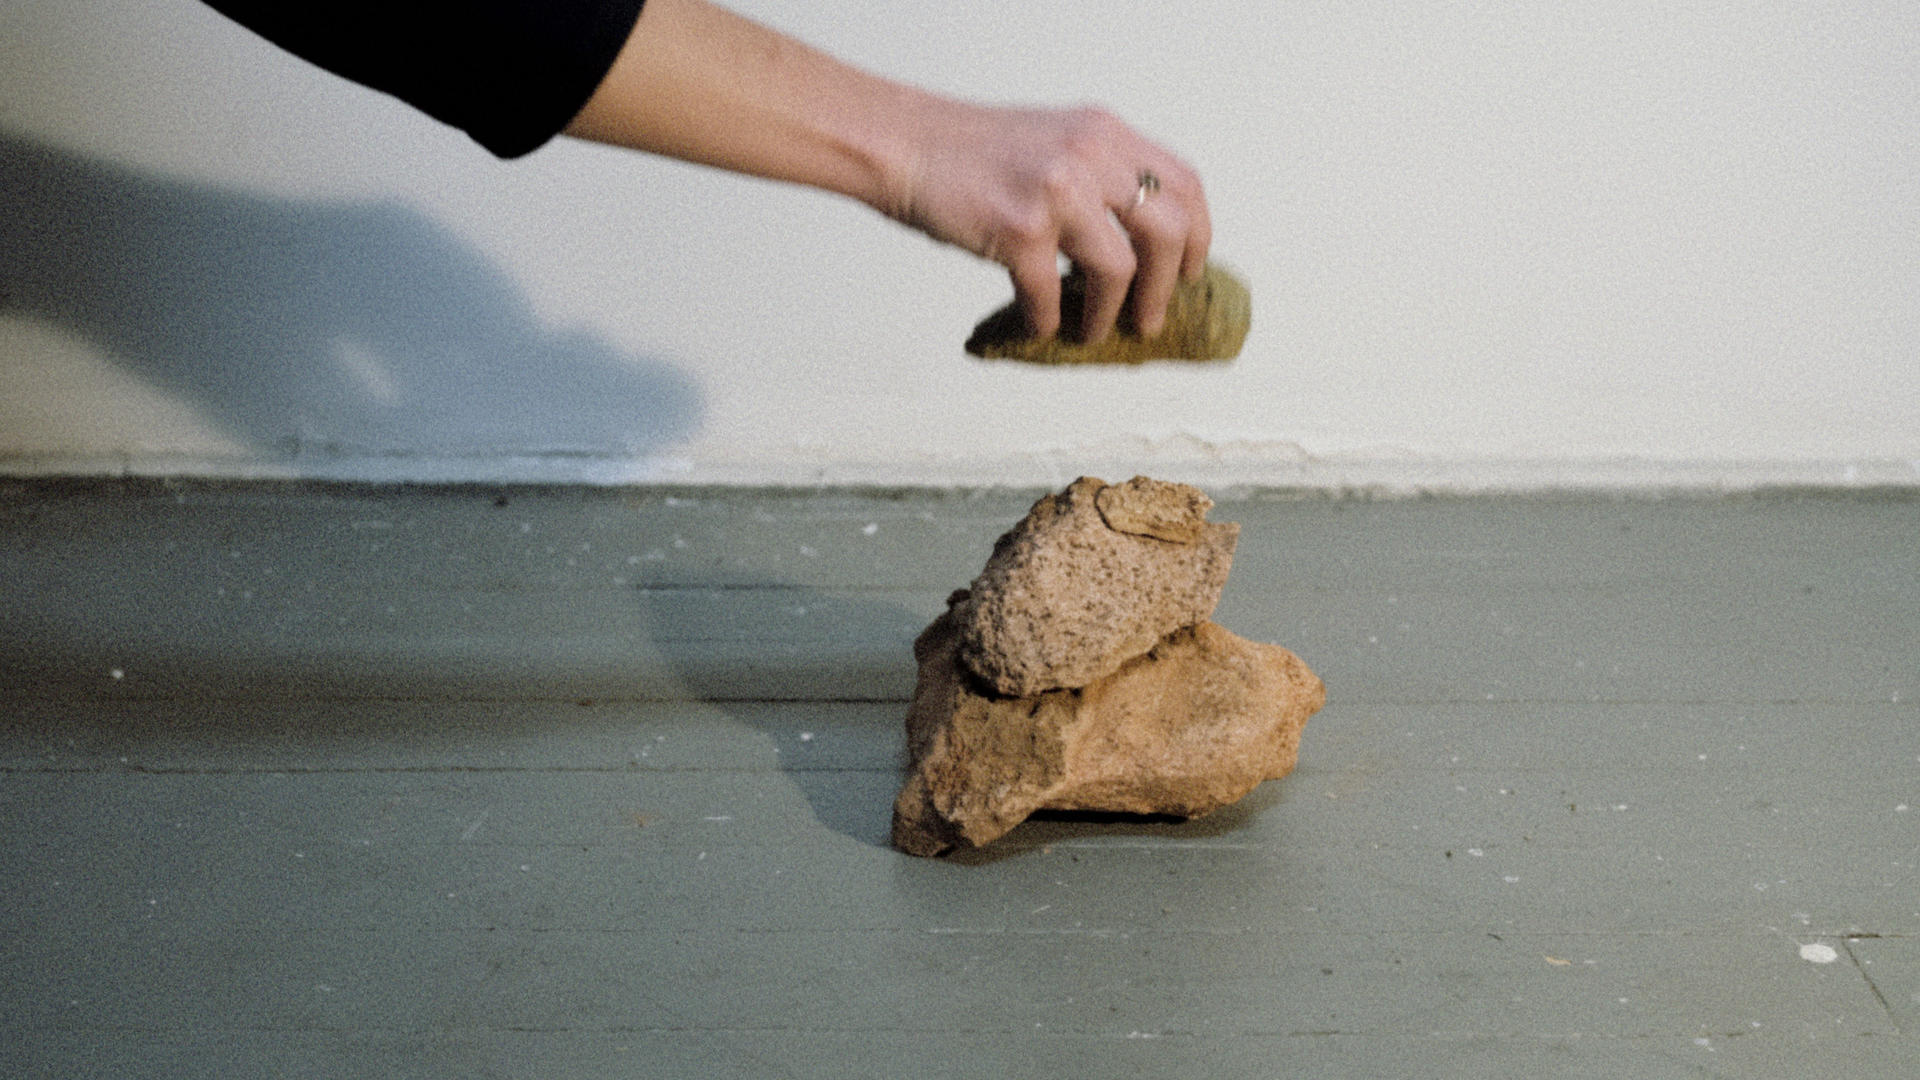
x: 857, y: 803
x: 355, y: 626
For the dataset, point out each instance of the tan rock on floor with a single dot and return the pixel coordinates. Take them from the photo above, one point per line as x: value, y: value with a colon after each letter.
x: 1190, y: 726
x: 1089, y: 579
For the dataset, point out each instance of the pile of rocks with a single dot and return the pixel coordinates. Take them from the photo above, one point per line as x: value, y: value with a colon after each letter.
x: 1080, y: 672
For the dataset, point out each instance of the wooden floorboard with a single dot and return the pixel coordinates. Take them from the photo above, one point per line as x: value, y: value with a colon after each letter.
x: 365, y: 782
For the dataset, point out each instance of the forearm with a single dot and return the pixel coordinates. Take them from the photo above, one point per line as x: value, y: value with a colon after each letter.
x: 699, y: 83
x: 1018, y: 186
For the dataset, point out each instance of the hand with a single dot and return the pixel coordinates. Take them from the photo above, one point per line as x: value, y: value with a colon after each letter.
x: 1022, y: 186
x: 1018, y: 186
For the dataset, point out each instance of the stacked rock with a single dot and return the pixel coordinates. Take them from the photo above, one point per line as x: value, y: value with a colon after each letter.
x: 1080, y: 672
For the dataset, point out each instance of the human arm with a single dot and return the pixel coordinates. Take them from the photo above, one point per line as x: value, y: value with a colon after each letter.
x: 1017, y: 186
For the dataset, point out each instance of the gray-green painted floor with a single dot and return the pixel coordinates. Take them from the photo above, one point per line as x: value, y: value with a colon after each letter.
x: 561, y: 783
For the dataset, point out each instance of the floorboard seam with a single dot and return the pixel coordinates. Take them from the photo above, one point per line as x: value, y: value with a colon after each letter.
x: 1886, y: 1006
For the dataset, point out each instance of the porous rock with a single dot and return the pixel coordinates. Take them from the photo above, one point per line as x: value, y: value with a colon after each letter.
x: 1191, y: 725
x: 1089, y: 579
x: 1207, y: 319
x: 1172, y: 512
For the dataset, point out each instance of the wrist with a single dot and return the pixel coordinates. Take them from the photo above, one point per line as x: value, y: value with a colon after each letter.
x: 884, y: 143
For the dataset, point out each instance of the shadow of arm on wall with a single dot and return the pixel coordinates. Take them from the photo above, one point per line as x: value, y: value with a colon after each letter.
x: 311, y: 327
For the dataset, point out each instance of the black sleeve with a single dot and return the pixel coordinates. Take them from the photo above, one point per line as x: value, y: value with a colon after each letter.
x: 511, y: 73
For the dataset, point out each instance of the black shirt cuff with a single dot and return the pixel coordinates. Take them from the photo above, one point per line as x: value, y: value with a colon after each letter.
x: 511, y: 73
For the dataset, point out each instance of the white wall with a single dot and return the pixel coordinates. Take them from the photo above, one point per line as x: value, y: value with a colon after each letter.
x: 1490, y: 244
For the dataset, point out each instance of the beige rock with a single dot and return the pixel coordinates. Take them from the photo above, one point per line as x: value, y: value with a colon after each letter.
x: 1068, y: 596
x: 1190, y: 726
x: 1207, y: 319
x: 1172, y: 512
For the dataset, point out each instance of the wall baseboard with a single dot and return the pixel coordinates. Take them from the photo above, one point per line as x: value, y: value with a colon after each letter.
x: 1359, y: 476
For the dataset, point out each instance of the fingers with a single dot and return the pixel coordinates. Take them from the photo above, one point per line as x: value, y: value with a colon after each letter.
x: 1163, y: 229
x: 1104, y: 256
x: 1132, y: 240
x: 1075, y: 220
x: 1193, y: 262
x: 1024, y: 187
x: 1160, y: 252
x: 1170, y: 233
x: 1036, y: 288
